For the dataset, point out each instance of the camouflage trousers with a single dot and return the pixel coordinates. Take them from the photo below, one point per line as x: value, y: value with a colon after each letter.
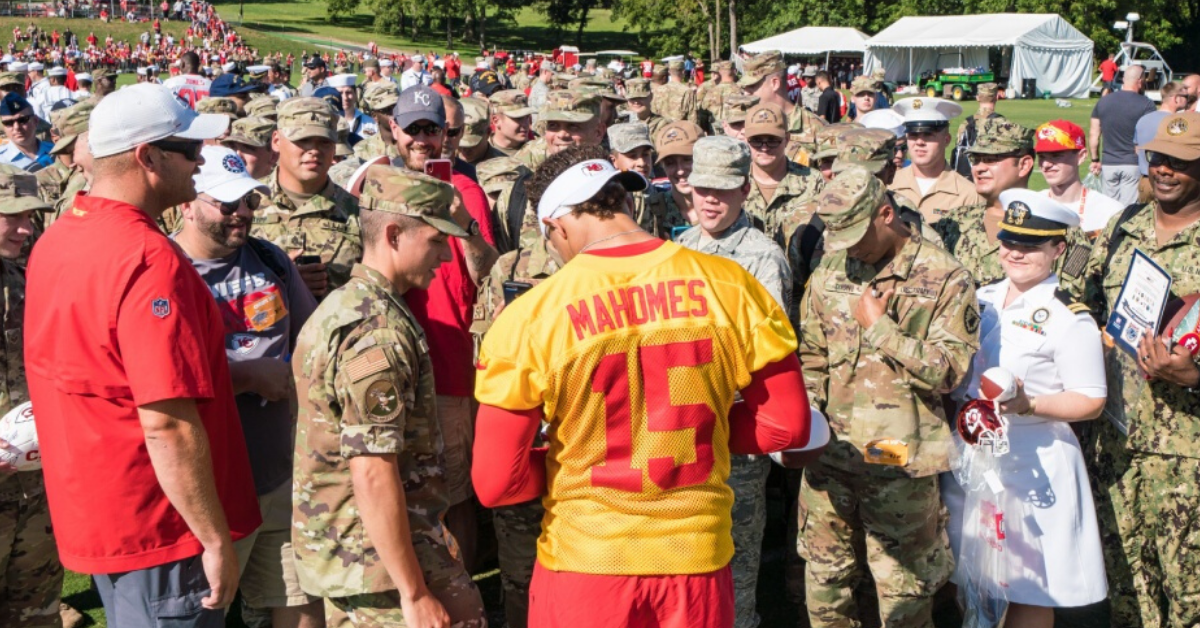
x: 1148, y: 508
x: 31, y: 577
x: 748, y: 479
x: 517, y: 530
x: 901, y: 523
x: 458, y: 595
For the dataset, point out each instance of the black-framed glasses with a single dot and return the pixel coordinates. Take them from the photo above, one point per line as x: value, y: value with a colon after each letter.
x: 767, y: 142
x: 1156, y: 159
x: 230, y: 208
x: 454, y: 131
x: 17, y: 120
x: 979, y: 158
x: 417, y: 128
x: 190, y: 150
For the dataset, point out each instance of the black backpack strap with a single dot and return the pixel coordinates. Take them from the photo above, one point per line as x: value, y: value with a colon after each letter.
x: 1118, y: 233
x: 518, y: 199
x: 269, y: 258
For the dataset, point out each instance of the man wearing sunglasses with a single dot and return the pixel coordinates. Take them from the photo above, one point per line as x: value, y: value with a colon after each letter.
x: 779, y: 187
x: 153, y: 515
x: 23, y: 149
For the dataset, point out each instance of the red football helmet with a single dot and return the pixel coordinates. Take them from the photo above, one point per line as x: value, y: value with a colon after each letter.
x: 979, y: 424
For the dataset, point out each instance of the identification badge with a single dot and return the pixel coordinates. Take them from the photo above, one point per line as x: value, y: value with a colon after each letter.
x: 886, y: 451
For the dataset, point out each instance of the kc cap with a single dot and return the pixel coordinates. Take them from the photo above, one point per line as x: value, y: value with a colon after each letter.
x: 570, y: 106
x: 417, y: 103
x: 69, y: 123
x: 847, y: 206
x: 580, y: 183
x: 677, y: 139
x: 1057, y: 136
x: 719, y: 162
x: 476, y: 121
x: 19, y: 193
x: 870, y: 149
x: 887, y: 119
x: 1001, y: 136
x: 766, y: 119
x: 512, y: 103
x: 1032, y: 218
x: 927, y: 114
x: 304, y: 117
x: 623, y: 138
x: 224, y: 176
x: 143, y: 113
x: 1178, y: 136
x: 251, y: 131
x: 407, y: 193
x: 760, y: 66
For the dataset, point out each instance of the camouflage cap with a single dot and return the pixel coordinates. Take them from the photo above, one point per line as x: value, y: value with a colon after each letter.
x: 878, y: 74
x: 723, y: 66
x: 761, y: 66
x: 561, y: 81
x: 570, y: 106
x: 251, y: 131
x: 498, y: 172
x: 1000, y: 136
x: 402, y: 191
x: 304, y: 117
x: 70, y: 122
x: 737, y: 105
x: 719, y: 162
x: 342, y: 149
x: 986, y: 92
x: 381, y: 96
x: 628, y: 136
x: 512, y: 103
x: 827, y: 138
x: 102, y: 73
x: 847, y: 205
x: 19, y: 193
x: 12, y: 78
x: 863, y: 84
x: 677, y: 138
x: 658, y: 70
x: 675, y: 66
x: 262, y: 106
x: 218, y: 104
x: 637, y: 88
x: 477, y: 121
x: 371, y: 63
x: 766, y: 119
x: 870, y: 149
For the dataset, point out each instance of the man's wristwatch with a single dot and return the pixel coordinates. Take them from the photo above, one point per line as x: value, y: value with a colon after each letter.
x: 473, y: 228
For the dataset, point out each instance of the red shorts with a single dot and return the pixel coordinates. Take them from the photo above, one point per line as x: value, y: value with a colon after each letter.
x: 564, y: 599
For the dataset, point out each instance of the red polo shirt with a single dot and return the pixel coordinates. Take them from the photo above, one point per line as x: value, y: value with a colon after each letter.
x: 116, y: 318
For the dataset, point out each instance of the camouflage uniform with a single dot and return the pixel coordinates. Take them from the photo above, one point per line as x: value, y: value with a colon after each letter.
x: 54, y: 181
x: 262, y: 106
x: 362, y: 363
x: 792, y: 203
x: 219, y: 104
x: 640, y: 88
x: 380, y: 96
x: 676, y: 100
x: 533, y: 153
x: 561, y: 106
x: 511, y: 103
x: 711, y: 101
x: 30, y: 575
x: 881, y: 390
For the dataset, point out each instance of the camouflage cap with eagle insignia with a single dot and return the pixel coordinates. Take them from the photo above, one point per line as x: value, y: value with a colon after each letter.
x: 871, y: 149
x: 1178, y: 136
x: 304, y: 117
x: 19, y: 193
x: 1001, y: 136
x: 570, y: 106
x: 761, y: 66
x: 677, y: 139
x: 402, y: 191
x: 847, y: 205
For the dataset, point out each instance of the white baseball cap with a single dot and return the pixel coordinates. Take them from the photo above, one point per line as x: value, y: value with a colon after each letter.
x: 580, y: 183
x: 224, y: 176
x: 229, y: 67
x: 6, y: 59
x: 144, y: 113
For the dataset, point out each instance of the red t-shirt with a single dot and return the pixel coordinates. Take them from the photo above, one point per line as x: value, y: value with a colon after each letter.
x: 445, y: 309
x: 116, y: 318
x: 453, y: 68
x: 1108, y: 69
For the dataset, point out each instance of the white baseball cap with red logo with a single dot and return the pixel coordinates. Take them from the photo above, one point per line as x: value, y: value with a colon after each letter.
x: 580, y: 183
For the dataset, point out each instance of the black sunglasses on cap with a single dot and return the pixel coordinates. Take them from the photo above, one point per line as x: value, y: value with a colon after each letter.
x: 189, y: 149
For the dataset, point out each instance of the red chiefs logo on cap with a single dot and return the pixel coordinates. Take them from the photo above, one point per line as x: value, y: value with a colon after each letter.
x: 592, y: 168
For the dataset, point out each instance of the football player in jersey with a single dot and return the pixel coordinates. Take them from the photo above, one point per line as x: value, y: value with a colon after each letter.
x: 632, y: 354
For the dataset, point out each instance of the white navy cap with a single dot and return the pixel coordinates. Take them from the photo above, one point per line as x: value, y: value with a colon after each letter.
x: 1032, y: 218
x: 58, y: 71
x: 342, y: 80
x: 36, y: 67
x: 927, y: 114
x: 886, y: 119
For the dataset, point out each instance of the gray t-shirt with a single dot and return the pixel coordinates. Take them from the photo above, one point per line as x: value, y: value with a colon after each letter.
x: 1147, y: 128
x: 263, y: 316
x: 1118, y: 113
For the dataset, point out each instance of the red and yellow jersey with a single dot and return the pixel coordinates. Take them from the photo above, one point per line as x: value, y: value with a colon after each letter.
x: 635, y: 362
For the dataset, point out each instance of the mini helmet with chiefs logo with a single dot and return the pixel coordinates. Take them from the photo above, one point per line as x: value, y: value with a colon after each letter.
x: 978, y: 422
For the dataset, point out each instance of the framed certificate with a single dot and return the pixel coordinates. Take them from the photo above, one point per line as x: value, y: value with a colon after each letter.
x: 1140, y: 305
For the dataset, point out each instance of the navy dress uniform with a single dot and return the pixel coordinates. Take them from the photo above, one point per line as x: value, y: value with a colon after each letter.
x: 950, y: 190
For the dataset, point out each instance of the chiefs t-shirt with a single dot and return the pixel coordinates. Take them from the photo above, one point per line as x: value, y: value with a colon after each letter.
x: 635, y: 362
x: 117, y: 318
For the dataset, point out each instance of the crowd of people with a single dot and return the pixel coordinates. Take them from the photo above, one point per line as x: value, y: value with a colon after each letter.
x: 297, y: 341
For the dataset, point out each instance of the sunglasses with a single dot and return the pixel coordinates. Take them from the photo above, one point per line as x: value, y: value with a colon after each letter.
x: 251, y: 200
x: 766, y: 142
x: 1174, y: 163
x: 189, y: 150
x: 417, y: 128
x: 977, y: 159
x: 454, y: 132
x: 17, y: 120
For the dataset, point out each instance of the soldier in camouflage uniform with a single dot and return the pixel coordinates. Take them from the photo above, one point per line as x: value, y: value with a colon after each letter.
x: 219, y: 104
x: 66, y: 175
x: 30, y: 575
x: 250, y: 138
x: 675, y: 100
x: 262, y: 106
x: 1144, y: 454
x: 503, y: 181
x: 736, y: 106
x: 640, y: 100
x: 1003, y: 156
x: 378, y: 99
x: 475, y: 147
x: 731, y: 235
x: 322, y: 218
x: 827, y: 147
x: 780, y: 189
x: 632, y: 150
x: 369, y: 418
x: 765, y: 76
x: 676, y: 143
x: 710, y: 100
x: 511, y: 120
x: 571, y: 118
x: 889, y: 324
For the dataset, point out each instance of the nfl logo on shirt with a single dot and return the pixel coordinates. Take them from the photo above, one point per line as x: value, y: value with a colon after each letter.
x: 160, y: 308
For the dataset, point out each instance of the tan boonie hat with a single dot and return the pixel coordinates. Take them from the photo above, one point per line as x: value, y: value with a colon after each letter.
x: 11, y: 78
x: 251, y: 131
x: 677, y: 138
x: 736, y: 106
x: 218, y: 104
x: 628, y: 136
x: 827, y: 138
x: 1178, y: 136
x: 863, y: 84
x: 476, y: 121
x: 637, y: 88
x: 381, y: 96
x: 766, y: 119
x: 262, y: 107
x: 1000, y: 136
x: 570, y: 106
x: 870, y: 149
x: 70, y: 122
x: 304, y: 117
x: 719, y: 162
x: 498, y: 172
x: 986, y: 92
x: 512, y: 103
x: 19, y: 193
x: 847, y: 205
x: 407, y: 193
x: 761, y: 66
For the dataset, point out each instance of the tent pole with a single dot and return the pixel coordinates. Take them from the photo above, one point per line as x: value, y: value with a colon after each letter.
x: 826, y: 60
x: 910, y: 66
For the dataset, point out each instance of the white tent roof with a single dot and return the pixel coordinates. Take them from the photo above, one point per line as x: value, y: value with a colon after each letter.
x: 1035, y: 30
x: 812, y: 40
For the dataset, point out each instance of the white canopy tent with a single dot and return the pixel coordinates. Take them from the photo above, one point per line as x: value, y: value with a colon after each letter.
x: 813, y: 40
x: 1044, y: 46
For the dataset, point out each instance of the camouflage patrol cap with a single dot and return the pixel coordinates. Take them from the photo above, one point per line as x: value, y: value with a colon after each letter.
x: 381, y: 96
x: 102, y: 73
x: 737, y: 105
x: 512, y: 103
x: 870, y: 149
x: 723, y: 66
x: 761, y: 66
x: 628, y: 136
x: 476, y: 121
x: 637, y: 88
x: 719, y: 162
x: 251, y: 131
x: 407, y: 193
x: 878, y: 74
x: 19, y: 193
x: 342, y: 148
x: 11, y: 78
x: 863, y: 84
x: 827, y: 138
x: 70, y: 122
x: 371, y: 63
x: 218, y: 104
x: 766, y: 119
x: 262, y: 106
x: 304, y: 117
x: 658, y: 70
x: 1000, y: 136
x: 570, y: 106
x: 677, y: 138
x: 494, y: 174
x: 675, y: 66
x: 847, y: 205
x: 561, y: 81
x: 986, y: 92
